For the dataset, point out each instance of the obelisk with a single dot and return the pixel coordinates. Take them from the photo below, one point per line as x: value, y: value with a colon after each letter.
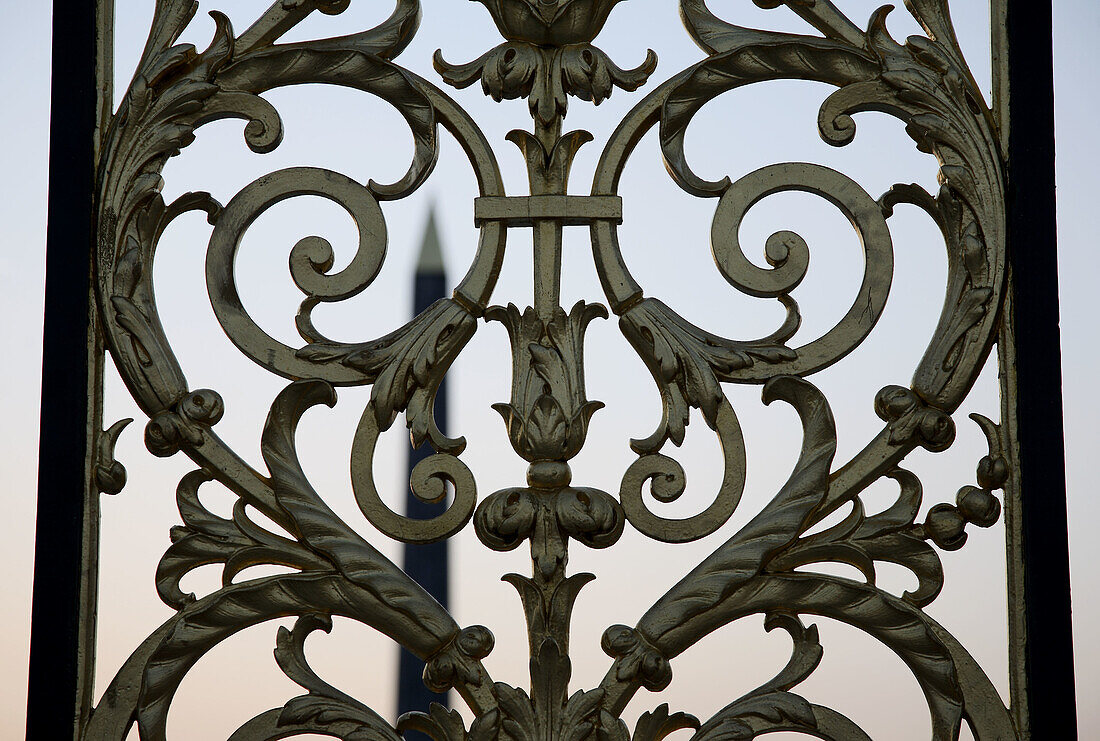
x: 427, y: 564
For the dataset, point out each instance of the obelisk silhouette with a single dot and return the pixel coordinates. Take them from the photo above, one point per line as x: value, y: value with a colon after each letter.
x: 427, y: 564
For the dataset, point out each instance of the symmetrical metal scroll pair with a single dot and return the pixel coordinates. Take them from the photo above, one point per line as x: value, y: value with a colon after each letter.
x: 548, y: 57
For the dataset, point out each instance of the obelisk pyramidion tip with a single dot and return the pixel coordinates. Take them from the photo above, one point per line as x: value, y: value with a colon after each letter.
x: 431, y: 255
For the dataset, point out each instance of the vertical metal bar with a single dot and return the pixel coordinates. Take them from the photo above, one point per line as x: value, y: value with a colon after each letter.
x: 66, y: 547
x: 1041, y: 643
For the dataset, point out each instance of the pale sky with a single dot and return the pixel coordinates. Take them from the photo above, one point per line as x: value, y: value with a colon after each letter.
x: 666, y: 243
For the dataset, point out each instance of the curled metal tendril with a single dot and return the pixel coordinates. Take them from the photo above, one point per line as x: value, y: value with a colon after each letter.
x: 715, y: 358
x: 310, y: 259
x: 264, y: 131
x: 668, y: 482
x: 789, y: 257
x: 428, y: 482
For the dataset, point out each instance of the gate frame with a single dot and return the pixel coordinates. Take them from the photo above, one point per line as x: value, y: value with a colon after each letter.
x: 62, y: 656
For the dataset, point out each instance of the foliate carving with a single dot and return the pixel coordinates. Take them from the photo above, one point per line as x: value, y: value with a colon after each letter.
x: 772, y: 707
x: 456, y: 664
x: 406, y: 368
x: 767, y: 567
x: 694, y: 606
x: 547, y: 57
x: 110, y: 474
x: 441, y: 724
x: 204, y: 538
x: 654, y: 725
x: 636, y: 660
x: 184, y: 424
x: 548, y: 416
x: 546, y: 76
x: 946, y: 523
x: 860, y: 540
x: 510, y: 516
x: 911, y: 420
x: 688, y: 363
x: 549, y: 24
x: 324, y: 709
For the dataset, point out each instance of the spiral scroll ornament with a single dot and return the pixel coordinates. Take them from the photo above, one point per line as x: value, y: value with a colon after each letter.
x: 768, y: 567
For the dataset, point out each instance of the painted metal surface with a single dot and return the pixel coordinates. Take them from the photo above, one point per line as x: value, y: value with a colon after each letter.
x: 548, y: 57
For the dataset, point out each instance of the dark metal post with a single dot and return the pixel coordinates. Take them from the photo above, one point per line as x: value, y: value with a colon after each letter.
x: 427, y: 564
x: 1040, y: 629
x: 63, y: 609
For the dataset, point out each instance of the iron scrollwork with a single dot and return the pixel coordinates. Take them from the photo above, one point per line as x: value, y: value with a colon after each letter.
x: 766, y: 568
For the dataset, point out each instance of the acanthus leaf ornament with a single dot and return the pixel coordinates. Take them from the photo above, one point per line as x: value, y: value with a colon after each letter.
x: 688, y: 363
x: 547, y: 56
x: 546, y: 75
x: 654, y: 725
x: 406, y: 367
x: 550, y: 23
x: 548, y: 416
x: 860, y: 541
x: 325, y: 709
x: 110, y: 474
x: 767, y: 567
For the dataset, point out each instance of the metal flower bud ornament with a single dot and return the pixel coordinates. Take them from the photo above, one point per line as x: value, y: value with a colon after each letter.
x: 548, y: 417
x: 550, y: 23
x: 548, y: 56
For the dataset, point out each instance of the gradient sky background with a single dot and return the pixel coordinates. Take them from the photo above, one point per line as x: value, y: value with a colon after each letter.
x: 665, y: 239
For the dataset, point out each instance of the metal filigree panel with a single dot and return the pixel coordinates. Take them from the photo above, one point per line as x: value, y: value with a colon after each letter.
x: 548, y: 57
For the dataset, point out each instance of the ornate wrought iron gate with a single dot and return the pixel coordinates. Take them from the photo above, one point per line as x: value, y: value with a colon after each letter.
x: 994, y: 208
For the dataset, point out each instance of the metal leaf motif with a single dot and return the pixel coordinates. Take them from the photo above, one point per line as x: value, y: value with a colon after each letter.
x: 547, y: 57
x: 206, y: 538
x: 654, y: 725
x: 889, y: 535
x: 325, y: 710
x: 549, y: 414
x: 668, y: 624
x: 764, y: 568
x: 688, y: 364
x: 356, y: 581
x: 406, y: 367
